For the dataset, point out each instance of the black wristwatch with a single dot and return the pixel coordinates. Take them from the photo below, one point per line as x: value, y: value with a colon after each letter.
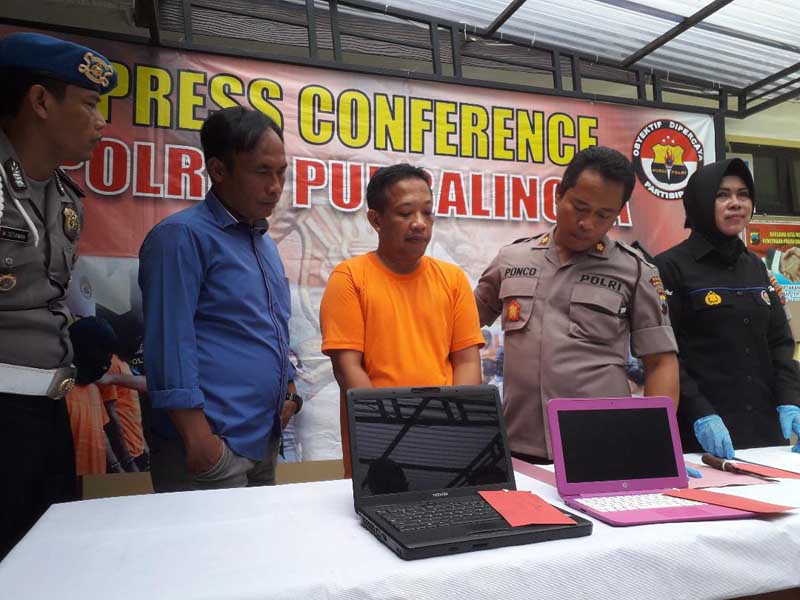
x: 297, y: 398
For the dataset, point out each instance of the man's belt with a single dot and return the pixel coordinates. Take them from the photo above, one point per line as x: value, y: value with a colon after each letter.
x: 30, y: 381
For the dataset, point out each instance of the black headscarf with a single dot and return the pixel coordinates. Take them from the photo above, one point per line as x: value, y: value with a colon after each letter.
x: 93, y: 341
x: 699, y: 200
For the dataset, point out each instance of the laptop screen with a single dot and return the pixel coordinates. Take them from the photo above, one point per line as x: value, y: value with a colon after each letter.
x: 616, y: 444
x: 422, y: 443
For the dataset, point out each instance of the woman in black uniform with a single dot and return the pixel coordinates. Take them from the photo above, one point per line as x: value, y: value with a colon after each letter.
x: 740, y: 386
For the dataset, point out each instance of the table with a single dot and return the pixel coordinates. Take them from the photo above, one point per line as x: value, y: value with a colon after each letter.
x: 303, y: 541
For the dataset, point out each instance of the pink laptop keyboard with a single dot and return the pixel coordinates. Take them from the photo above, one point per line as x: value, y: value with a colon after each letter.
x: 633, y: 502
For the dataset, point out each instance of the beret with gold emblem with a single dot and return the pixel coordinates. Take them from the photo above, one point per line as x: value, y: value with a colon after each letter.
x: 59, y: 59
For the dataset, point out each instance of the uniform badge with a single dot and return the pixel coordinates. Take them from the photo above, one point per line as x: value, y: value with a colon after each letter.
x: 765, y: 297
x: 599, y: 247
x: 662, y: 299
x: 778, y: 289
x: 713, y: 298
x: 513, y: 311
x: 96, y: 69
x: 15, y: 176
x: 544, y: 240
x: 72, y: 224
x: 7, y: 283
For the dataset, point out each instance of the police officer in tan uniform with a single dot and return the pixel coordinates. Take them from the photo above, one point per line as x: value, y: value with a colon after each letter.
x: 49, y: 116
x: 571, y: 301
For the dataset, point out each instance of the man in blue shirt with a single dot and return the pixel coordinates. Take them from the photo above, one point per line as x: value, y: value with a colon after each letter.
x: 216, y: 311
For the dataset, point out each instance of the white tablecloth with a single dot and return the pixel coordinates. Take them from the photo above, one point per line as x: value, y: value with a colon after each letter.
x: 303, y: 541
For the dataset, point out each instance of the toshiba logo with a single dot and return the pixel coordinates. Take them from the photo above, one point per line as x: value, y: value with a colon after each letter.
x: 440, y: 494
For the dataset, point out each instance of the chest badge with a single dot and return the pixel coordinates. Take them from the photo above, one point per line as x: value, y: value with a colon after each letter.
x: 72, y: 224
x: 765, y: 297
x: 7, y: 283
x: 713, y: 298
x: 544, y: 240
x: 513, y: 311
x: 14, y: 172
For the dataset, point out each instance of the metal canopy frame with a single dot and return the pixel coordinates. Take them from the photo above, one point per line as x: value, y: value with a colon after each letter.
x: 449, y: 47
x: 568, y: 68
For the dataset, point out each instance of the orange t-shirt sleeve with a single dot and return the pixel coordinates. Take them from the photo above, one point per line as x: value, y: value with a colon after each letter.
x: 110, y: 392
x: 466, y: 324
x: 340, y: 314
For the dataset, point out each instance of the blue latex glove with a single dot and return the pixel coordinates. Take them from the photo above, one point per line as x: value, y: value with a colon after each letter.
x: 789, y: 416
x: 692, y: 472
x: 713, y: 436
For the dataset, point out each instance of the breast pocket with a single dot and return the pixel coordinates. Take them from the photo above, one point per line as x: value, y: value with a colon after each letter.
x: 594, y: 313
x: 517, y: 294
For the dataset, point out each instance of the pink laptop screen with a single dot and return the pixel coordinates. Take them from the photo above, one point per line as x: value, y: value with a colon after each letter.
x: 609, y: 445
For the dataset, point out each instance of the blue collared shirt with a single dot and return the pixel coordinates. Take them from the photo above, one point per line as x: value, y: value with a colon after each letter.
x: 216, y: 312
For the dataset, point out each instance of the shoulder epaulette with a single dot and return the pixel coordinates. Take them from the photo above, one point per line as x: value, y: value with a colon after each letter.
x: 528, y: 239
x: 65, y: 179
x: 638, y: 254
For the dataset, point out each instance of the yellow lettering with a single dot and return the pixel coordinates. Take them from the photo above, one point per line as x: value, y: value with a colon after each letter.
x: 353, y: 119
x: 120, y: 91
x: 474, y: 131
x: 530, y: 136
x: 390, y: 123
x: 501, y: 133
x: 315, y: 99
x: 420, y: 123
x: 586, y: 137
x: 559, y: 126
x: 444, y: 128
x: 153, y: 108
x: 260, y: 93
x: 188, y: 99
x: 221, y: 87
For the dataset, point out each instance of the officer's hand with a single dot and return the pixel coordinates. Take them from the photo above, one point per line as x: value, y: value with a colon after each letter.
x: 714, y: 436
x: 289, y: 410
x: 203, y: 452
x: 692, y: 472
x: 789, y: 416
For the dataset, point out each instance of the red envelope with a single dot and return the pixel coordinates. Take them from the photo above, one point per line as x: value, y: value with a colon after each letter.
x: 765, y: 471
x: 523, y: 508
x: 728, y: 501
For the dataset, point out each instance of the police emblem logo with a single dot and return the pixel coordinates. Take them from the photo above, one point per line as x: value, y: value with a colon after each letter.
x: 95, y: 69
x: 713, y: 298
x: 544, y: 240
x: 665, y: 154
x: 513, y: 311
x: 7, y: 282
x: 765, y: 297
x: 15, y: 176
x: 72, y: 224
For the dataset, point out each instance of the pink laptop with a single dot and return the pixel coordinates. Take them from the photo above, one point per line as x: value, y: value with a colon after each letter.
x: 614, y: 456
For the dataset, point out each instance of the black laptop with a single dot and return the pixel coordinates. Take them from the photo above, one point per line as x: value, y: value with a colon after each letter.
x: 419, y: 458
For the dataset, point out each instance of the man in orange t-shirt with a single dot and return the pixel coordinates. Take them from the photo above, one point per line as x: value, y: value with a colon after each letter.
x: 87, y: 419
x: 127, y: 407
x: 395, y: 317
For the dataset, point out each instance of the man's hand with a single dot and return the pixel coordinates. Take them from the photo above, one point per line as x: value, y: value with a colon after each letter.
x: 289, y: 410
x: 203, y: 452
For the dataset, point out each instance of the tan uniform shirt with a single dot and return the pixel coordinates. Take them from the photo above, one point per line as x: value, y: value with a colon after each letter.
x: 34, y: 278
x: 567, y: 327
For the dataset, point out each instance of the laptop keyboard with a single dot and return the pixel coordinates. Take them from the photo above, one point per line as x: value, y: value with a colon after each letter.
x: 633, y: 502
x: 442, y: 513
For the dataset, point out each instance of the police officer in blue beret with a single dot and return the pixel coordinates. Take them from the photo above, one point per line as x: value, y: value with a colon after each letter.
x: 48, y: 117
